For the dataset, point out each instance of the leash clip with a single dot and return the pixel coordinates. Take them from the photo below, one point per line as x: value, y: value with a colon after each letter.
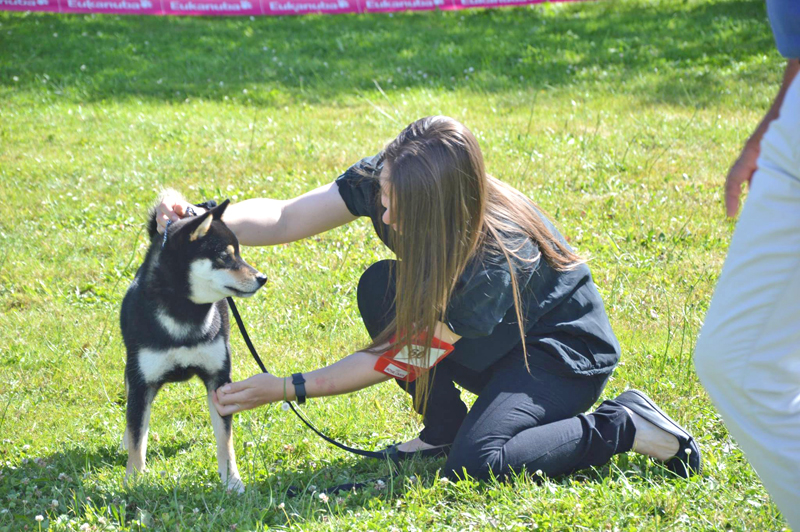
x: 166, y: 229
x: 189, y: 212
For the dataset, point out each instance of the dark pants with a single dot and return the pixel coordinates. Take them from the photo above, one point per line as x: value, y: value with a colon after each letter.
x: 521, y: 420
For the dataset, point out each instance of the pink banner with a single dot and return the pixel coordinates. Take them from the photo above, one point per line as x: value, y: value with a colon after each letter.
x: 387, y: 6
x: 30, y: 5
x: 250, y: 7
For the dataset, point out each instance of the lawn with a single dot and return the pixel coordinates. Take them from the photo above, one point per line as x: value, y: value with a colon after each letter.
x: 620, y: 118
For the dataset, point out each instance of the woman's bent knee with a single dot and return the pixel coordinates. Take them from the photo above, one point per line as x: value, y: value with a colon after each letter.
x: 474, y: 463
x: 375, y: 296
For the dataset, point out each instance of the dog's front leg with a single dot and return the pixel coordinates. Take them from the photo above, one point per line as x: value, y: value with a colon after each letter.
x: 226, y: 456
x: 140, y: 399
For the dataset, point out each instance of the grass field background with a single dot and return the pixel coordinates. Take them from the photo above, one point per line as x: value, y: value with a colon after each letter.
x: 620, y: 118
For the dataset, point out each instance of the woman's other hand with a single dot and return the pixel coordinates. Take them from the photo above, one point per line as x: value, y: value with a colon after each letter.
x: 741, y: 172
x: 255, y: 391
x: 173, y: 208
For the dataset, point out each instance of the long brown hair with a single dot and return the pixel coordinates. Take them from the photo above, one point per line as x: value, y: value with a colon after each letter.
x: 447, y: 211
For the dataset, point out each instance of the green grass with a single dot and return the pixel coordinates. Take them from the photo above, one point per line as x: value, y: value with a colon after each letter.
x: 620, y: 118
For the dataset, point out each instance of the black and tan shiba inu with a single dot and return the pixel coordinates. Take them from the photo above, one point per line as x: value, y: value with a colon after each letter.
x: 174, y: 323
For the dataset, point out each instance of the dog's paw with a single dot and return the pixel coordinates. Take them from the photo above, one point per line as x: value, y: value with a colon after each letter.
x: 235, y: 485
x: 132, y: 472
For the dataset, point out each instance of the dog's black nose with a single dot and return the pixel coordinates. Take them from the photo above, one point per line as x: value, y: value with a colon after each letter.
x: 261, y: 279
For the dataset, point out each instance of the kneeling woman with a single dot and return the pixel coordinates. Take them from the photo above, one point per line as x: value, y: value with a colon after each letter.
x: 482, y: 270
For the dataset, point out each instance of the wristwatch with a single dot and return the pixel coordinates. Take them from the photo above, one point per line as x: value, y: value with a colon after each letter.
x: 299, y: 388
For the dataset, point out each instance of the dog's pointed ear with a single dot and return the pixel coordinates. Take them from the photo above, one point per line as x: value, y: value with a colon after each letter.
x: 203, y: 225
x: 217, y: 211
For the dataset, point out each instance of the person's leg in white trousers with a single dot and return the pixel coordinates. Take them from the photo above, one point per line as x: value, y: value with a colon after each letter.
x: 748, y: 352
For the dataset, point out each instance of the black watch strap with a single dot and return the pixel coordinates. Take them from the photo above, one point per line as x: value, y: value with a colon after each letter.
x: 299, y: 388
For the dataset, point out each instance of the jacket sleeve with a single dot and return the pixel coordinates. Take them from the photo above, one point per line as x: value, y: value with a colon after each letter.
x: 360, y: 188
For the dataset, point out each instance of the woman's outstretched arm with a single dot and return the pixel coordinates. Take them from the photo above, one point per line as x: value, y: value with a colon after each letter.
x: 349, y: 374
x: 354, y: 372
x: 266, y: 222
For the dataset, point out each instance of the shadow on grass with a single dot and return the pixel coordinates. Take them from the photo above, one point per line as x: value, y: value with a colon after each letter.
x: 318, y: 58
x: 82, y: 482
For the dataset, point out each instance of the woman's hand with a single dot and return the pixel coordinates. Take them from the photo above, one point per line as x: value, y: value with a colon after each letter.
x: 741, y: 172
x: 173, y: 208
x: 247, y: 394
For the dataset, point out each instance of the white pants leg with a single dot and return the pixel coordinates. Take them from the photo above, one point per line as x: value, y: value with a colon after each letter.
x: 748, y: 352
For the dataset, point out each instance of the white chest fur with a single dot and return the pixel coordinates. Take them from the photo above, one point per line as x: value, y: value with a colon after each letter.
x: 182, y: 331
x: 209, y: 357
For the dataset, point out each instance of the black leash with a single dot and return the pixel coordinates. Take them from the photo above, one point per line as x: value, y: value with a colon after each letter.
x: 369, y: 454
x: 251, y: 347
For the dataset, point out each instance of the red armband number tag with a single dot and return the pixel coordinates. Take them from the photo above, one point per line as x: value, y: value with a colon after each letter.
x: 397, y: 363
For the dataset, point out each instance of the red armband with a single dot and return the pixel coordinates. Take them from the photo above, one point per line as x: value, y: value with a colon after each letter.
x: 397, y: 363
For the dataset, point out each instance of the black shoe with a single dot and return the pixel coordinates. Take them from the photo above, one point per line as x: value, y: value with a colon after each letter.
x: 687, y: 461
x: 396, y: 455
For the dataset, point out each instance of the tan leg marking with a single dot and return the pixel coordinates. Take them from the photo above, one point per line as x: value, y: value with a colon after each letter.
x: 137, y: 451
x: 226, y: 457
